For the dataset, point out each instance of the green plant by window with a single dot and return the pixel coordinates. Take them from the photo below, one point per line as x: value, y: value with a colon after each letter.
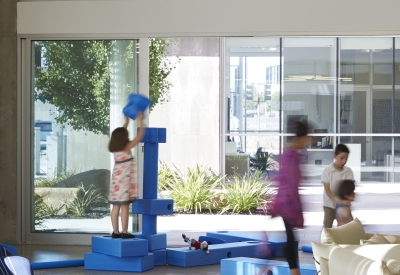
x: 40, y: 210
x: 84, y: 200
x: 193, y: 189
x: 51, y: 180
x: 243, y: 194
x: 165, y: 175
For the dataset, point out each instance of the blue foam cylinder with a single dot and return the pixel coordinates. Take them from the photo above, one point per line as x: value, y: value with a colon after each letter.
x: 186, y: 257
x: 149, y: 224
x: 96, y: 261
x: 150, y: 171
x: 244, y: 265
x: 160, y: 257
x: 156, y: 241
x: 119, y: 247
x: 153, y: 206
x: 306, y: 248
x: 57, y: 264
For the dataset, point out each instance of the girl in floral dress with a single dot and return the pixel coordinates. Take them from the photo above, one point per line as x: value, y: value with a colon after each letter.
x: 123, y: 185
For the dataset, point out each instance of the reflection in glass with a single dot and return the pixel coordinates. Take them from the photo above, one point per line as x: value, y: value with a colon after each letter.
x: 252, y: 86
x: 309, y: 77
x: 79, y: 89
x: 365, y: 62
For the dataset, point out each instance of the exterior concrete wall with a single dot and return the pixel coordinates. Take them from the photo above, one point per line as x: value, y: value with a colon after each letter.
x: 192, y: 115
x: 8, y: 121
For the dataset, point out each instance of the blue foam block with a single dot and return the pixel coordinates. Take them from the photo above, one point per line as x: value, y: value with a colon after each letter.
x: 10, y: 248
x: 149, y: 224
x: 120, y: 247
x: 57, y: 264
x: 153, y: 206
x: 156, y: 241
x: 277, y: 245
x: 210, y: 240
x: 185, y: 257
x: 244, y: 265
x: 160, y: 256
x: 306, y: 248
x: 150, y: 171
x: 96, y: 261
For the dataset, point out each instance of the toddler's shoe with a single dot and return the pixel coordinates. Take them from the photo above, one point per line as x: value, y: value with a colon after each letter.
x: 127, y: 236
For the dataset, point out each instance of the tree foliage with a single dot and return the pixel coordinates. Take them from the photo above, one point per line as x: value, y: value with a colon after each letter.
x: 75, y: 77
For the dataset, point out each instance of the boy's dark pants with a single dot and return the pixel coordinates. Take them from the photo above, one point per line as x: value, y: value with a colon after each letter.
x: 329, y: 216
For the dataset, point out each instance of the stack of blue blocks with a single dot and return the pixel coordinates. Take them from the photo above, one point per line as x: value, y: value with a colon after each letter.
x: 148, y: 249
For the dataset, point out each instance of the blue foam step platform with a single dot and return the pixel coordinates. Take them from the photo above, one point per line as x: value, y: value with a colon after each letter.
x: 10, y: 248
x: 120, y: 247
x: 244, y: 265
x: 153, y: 206
x: 155, y: 241
x: 277, y: 245
x: 185, y: 257
x: 160, y: 257
x: 96, y: 261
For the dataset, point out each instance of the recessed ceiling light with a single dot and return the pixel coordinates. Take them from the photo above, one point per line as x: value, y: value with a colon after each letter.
x: 272, y: 49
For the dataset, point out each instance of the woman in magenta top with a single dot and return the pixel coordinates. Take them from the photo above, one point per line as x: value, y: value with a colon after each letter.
x: 287, y: 202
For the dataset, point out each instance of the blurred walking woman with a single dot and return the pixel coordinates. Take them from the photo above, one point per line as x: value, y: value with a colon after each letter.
x: 287, y: 203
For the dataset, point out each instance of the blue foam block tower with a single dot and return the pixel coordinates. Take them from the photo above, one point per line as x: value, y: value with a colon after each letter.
x: 277, y: 245
x: 150, y: 206
x: 97, y: 261
x: 244, y: 265
x: 156, y: 241
x: 153, y: 206
x: 119, y: 247
x: 185, y: 257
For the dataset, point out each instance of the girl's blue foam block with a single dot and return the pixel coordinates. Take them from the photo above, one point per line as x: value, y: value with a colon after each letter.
x: 96, y: 261
x: 153, y: 206
x: 186, y: 257
x: 244, y: 265
x: 136, y: 103
x: 306, y: 248
x: 57, y: 264
x: 119, y: 247
x: 160, y: 257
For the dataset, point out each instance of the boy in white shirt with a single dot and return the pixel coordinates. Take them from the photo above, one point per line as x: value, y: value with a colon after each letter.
x: 331, y: 178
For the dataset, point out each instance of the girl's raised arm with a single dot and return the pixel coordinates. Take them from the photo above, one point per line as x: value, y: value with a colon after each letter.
x: 140, y: 135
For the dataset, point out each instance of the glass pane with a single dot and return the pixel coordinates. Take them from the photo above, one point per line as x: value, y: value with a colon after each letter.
x: 362, y: 109
x: 394, y: 162
x: 80, y: 88
x: 252, y: 85
x: 309, y: 77
x: 262, y: 158
x: 397, y: 90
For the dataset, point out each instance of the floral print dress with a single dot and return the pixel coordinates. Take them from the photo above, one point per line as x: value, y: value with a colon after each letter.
x: 123, y: 185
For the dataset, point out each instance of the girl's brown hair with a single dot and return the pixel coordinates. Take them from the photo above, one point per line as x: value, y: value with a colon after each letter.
x: 119, y: 138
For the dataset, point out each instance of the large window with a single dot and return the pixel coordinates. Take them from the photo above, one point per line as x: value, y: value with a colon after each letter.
x: 345, y: 87
x: 78, y: 91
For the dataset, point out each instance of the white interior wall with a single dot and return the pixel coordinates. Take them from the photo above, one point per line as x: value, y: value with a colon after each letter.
x: 172, y: 18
